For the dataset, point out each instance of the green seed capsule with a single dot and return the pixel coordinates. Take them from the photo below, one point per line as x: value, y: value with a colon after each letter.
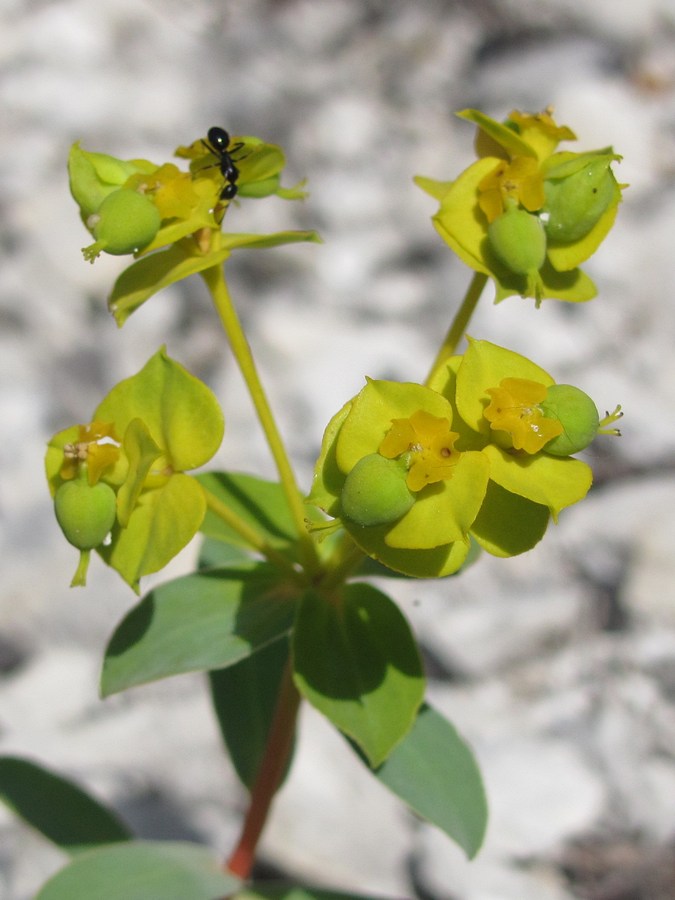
x: 518, y: 240
x: 85, y: 513
x: 126, y: 221
x: 575, y: 203
x: 375, y: 492
x: 577, y: 414
x: 93, y: 176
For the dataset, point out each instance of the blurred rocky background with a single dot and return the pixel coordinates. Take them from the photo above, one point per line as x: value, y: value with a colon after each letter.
x: 558, y: 666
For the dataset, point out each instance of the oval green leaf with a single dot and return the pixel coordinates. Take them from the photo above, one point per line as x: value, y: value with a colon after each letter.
x: 203, y: 621
x: 140, y: 871
x: 244, y: 698
x: 435, y: 773
x: 56, y: 807
x: 283, y: 892
x: 152, y: 273
x: 261, y: 504
x: 357, y: 661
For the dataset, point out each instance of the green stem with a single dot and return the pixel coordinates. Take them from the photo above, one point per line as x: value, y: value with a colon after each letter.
x: 272, y: 768
x: 80, y: 576
x: 348, y: 557
x: 252, y: 537
x: 459, y: 323
x: 215, y: 282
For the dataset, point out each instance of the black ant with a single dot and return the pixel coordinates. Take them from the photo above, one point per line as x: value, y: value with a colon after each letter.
x: 218, y: 143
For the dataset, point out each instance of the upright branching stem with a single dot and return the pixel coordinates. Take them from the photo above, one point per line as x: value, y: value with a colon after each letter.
x: 282, y: 730
x: 458, y: 327
x: 273, y: 765
x: 347, y: 558
x: 280, y: 738
x: 215, y: 281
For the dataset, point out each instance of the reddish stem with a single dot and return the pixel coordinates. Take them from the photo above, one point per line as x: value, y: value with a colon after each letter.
x: 272, y: 767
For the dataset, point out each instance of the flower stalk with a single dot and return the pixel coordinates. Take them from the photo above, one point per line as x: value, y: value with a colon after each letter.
x: 252, y: 537
x: 459, y: 324
x: 215, y: 281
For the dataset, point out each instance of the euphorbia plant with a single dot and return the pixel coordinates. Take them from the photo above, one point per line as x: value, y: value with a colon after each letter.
x: 413, y: 480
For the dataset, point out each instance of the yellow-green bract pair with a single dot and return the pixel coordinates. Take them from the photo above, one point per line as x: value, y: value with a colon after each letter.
x: 413, y: 472
x: 124, y: 473
x: 525, y: 215
x: 134, y: 206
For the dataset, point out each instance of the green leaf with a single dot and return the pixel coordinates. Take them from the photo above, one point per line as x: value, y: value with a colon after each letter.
x: 283, y: 892
x: 435, y: 773
x: 203, y: 621
x: 244, y: 697
x: 372, y: 568
x: 277, y: 239
x: 261, y: 504
x: 214, y: 554
x: 152, y: 273
x: 142, y: 870
x: 162, y: 268
x: 357, y: 662
x: 59, y: 809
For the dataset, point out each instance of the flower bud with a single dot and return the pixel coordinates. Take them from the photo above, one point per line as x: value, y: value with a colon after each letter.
x: 85, y: 513
x: 375, y: 491
x: 576, y: 202
x: 518, y: 240
x: 125, y: 222
x: 578, y: 415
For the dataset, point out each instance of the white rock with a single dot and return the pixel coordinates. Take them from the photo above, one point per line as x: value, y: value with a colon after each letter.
x: 542, y: 792
x: 445, y: 872
x: 649, y: 592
